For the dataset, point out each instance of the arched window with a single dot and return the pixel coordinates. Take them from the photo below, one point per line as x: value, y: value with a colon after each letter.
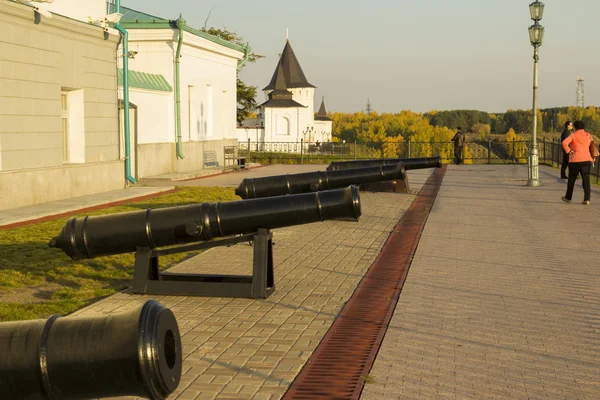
x: 283, y: 126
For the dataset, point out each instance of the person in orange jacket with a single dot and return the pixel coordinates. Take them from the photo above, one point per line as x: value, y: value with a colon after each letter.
x: 577, y: 145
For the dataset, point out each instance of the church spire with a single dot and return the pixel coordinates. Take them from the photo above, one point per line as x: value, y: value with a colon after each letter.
x: 322, y: 114
x: 280, y: 96
x: 291, y: 70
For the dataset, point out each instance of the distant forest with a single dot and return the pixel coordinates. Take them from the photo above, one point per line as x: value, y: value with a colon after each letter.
x: 549, y: 119
x: 441, y: 125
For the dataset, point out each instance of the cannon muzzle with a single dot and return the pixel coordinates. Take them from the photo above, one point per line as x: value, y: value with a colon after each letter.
x: 409, y: 163
x: 279, y: 185
x: 95, y: 236
x: 135, y: 353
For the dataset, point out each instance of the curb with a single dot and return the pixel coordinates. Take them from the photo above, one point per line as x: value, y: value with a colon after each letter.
x: 85, y: 209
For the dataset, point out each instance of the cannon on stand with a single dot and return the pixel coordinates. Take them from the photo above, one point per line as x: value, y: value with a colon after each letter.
x: 135, y: 353
x: 409, y: 163
x: 144, y: 231
x: 390, y: 186
x: 279, y: 185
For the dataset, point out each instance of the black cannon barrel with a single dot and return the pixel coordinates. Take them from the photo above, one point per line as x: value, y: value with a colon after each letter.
x: 90, y: 237
x: 409, y: 163
x: 279, y: 185
x: 134, y: 353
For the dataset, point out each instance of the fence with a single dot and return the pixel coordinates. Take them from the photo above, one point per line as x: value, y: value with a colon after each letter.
x: 551, y: 153
x: 475, y: 152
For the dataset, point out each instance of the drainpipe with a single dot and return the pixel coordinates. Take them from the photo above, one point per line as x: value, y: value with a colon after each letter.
x: 126, y: 122
x: 180, y: 23
x: 247, y: 50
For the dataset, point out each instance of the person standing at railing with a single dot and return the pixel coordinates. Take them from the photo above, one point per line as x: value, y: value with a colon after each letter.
x: 565, y: 162
x: 459, y: 144
x: 577, y: 145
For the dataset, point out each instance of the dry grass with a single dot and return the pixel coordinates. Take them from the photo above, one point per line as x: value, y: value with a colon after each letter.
x: 37, y: 281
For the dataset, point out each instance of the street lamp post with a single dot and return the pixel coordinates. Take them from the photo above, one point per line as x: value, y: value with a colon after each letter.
x: 257, y: 135
x: 536, y: 35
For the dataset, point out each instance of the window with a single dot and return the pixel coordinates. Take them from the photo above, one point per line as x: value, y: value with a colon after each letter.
x: 64, y: 99
x: 73, y: 125
x: 283, y: 126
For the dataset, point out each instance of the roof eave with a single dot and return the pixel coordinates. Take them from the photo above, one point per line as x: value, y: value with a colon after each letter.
x: 282, y: 104
x: 164, y: 24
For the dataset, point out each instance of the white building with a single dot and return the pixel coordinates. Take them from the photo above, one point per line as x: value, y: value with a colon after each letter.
x: 204, y: 118
x: 61, y: 132
x: 288, y: 114
x: 59, y: 129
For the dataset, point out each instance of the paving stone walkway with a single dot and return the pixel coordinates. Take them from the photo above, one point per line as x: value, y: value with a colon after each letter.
x: 253, y: 349
x: 502, y: 300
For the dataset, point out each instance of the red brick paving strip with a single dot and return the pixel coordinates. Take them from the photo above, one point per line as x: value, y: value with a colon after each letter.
x: 339, y: 366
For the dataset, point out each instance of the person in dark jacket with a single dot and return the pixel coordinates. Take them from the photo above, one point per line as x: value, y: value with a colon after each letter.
x: 565, y: 161
x: 459, y: 143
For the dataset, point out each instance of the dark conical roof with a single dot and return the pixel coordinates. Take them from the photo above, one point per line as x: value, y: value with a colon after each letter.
x: 292, y: 72
x: 280, y: 96
x: 322, y: 114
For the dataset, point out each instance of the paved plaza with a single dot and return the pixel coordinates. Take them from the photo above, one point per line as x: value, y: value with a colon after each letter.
x: 501, y: 300
x: 244, y: 348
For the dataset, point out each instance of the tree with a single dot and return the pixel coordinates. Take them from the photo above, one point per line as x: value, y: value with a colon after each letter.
x: 246, y: 103
x: 482, y: 129
x: 518, y: 120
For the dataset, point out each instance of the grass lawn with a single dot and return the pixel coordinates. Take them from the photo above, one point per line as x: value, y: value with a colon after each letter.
x: 37, y: 281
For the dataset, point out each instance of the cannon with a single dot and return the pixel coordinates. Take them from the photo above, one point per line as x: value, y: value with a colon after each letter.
x: 317, y: 181
x: 144, y: 231
x: 409, y: 163
x: 102, y: 235
x: 134, y: 353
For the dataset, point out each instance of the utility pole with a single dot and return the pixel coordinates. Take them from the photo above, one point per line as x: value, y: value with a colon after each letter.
x: 580, y: 93
x: 369, y: 109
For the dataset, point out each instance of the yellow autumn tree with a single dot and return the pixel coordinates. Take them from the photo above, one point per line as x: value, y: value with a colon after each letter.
x: 393, y: 147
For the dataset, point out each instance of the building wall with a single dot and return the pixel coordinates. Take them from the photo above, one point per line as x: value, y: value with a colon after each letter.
x: 306, y: 97
x: 155, y: 119
x: 158, y: 158
x: 78, y: 9
x: 38, y: 64
x: 276, y: 120
x: 35, y: 186
x: 208, y: 100
x: 323, y: 130
x: 303, y: 120
x: 253, y: 133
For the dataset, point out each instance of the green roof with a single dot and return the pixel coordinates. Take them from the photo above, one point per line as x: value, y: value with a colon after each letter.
x: 133, y: 19
x: 133, y: 15
x: 144, y: 80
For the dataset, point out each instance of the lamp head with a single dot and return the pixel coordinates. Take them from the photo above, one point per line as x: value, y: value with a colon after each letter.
x: 536, y: 10
x: 536, y: 35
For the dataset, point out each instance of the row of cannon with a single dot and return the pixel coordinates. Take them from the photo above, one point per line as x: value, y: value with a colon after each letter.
x: 138, y: 352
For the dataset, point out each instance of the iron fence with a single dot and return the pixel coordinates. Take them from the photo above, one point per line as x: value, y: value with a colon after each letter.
x: 475, y: 152
x: 551, y: 153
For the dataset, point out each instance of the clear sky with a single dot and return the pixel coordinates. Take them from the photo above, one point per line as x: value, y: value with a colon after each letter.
x: 417, y: 55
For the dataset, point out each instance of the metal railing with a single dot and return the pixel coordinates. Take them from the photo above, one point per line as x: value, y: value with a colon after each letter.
x: 475, y: 152
x: 551, y: 153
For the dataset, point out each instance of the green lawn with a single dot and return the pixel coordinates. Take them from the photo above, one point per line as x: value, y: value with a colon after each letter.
x: 37, y: 281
